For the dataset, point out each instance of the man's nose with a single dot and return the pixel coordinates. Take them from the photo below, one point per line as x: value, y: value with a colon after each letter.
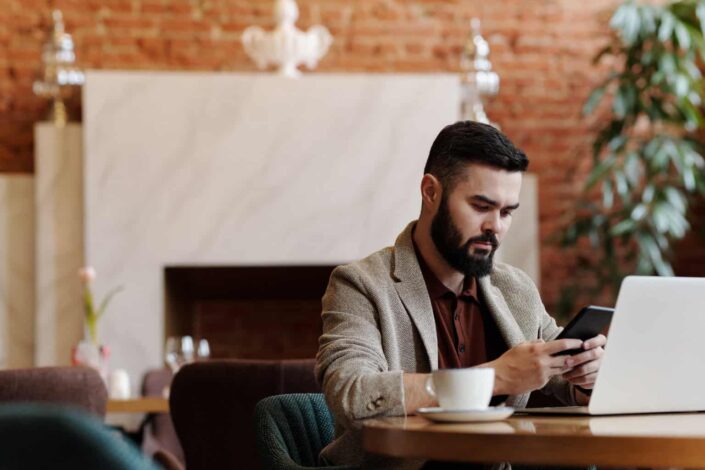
x: 491, y: 223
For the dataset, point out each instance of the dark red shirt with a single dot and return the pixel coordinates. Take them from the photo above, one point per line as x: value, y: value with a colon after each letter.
x: 467, y: 333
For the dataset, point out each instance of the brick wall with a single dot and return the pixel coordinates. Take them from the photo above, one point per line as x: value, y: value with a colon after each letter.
x: 542, y: 50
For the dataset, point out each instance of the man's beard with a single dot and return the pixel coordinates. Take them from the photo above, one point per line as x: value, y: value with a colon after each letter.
x: 449, y: 243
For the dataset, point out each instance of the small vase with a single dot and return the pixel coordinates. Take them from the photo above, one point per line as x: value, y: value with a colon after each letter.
x: 88, y: 354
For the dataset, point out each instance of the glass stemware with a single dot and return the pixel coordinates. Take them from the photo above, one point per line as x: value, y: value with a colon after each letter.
x: 204, y: 349
x: 179, y: 350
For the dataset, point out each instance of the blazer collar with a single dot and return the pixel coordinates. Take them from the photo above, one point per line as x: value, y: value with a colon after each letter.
x: 411, y: 288
x: 499, y: 310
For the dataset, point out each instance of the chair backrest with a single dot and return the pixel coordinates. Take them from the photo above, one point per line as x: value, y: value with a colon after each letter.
x: 212, y: 405
x: 79, y: 387
x: 159, y: 432
x: 39, y: 436
x: 292, y: 429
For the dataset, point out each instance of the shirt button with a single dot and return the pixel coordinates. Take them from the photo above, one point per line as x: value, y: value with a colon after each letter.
x: 462, y: 348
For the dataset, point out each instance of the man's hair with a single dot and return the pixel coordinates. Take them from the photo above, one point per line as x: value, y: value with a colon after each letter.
x: 471, y: 142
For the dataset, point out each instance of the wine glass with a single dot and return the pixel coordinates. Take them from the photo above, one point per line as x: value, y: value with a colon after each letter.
x: 204, y: 349
x: 179, y: 352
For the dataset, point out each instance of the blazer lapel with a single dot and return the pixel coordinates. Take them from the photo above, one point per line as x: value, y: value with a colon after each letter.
x: 411, y: 288
x: 499, y: 310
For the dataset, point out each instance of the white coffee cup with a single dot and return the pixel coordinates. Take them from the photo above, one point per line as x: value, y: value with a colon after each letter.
x: 462, y: 389
x: 119, y: 385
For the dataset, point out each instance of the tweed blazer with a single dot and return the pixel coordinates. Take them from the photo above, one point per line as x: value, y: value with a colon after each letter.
x: 378, y: 323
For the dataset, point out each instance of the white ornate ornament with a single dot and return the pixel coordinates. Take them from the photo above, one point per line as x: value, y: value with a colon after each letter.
x: 286, y: 46
x: 478, y: 81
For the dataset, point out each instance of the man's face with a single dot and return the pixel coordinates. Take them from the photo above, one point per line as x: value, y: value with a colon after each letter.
x: 472, y: 220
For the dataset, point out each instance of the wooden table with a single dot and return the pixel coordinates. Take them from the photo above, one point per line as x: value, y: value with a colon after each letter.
x: 666, y: 440
x: 139, y: 405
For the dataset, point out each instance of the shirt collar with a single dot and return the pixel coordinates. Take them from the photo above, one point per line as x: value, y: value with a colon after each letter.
x: 436, y: 289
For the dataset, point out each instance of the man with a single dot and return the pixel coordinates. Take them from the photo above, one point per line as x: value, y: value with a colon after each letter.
x: 436, y: 300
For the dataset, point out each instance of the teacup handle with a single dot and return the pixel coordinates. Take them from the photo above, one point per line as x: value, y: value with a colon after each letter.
x: 429, y: 387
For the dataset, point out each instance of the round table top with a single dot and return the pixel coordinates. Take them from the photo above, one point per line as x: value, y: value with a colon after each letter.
x: 668, y: 440
x: 139, y: 405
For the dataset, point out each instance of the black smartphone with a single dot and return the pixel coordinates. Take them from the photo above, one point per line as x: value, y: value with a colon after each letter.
x: 588, y: 323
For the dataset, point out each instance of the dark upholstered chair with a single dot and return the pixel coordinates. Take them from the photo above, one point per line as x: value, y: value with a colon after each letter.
x: 39, y: 436
x: 158, y: 432
x: 292, y: 429
x: 212, y: 404
x: 78, y: 387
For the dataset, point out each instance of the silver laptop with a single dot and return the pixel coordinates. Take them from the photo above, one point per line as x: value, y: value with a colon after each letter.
x: 654, y: 361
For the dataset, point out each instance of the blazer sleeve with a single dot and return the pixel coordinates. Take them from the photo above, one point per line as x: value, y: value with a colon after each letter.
x: 350, y: 365
x: 557, y: 387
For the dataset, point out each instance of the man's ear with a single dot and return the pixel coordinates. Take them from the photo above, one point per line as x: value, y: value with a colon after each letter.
x: 431, y: 192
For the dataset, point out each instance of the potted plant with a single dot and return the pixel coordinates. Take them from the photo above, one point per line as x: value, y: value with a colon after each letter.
x: 647, y: 162
x: 90, y: 352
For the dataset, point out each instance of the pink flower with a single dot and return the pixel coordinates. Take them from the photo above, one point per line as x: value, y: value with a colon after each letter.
x: 86, y: 274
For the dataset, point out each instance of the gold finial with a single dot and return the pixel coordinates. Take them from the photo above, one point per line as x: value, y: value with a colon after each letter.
x: 59, y: 73
x: 478, y: 79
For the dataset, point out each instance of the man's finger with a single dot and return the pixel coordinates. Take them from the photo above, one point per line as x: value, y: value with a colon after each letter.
x: 563, y: 363
x: 585, y: 369
x: 556, y: 346
x: 586, y: 381
x: 596, y: 342
x: 588, y: 356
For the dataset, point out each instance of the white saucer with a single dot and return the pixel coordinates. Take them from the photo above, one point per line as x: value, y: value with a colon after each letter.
x: 466, y: 416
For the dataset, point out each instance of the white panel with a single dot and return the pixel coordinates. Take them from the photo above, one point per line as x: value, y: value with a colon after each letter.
x: 16, y: 271
x: 59, y: 241
x: 232, y: 169
x: 520, y: 247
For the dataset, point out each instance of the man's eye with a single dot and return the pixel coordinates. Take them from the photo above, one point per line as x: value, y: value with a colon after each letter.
x: 506, y: 213
x: 481, y: 207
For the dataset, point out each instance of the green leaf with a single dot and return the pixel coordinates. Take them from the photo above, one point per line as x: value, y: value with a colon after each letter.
x: 693, y: 116
x: 648, y: 194
x: 88, y: 303
x: 629, y: 24
x: 607, y: 194
x: 668, y: 22
x: 600, y: 171
x: 594, y: 99
x: 668, y: 64
x: 682, y: 35
x: 660, y: 217
x: 692, y: 70
x: 633, y: 168
x: 700, y: 14
x: 652, y: 250
x: 622, y: 185
x: 689, y: 180
x: 624, y: 99
x: 659, y: 160
x: 676, y: 199
x: 106, y: 300
x: 681, y: 85
x: 624, y: 227
x: 648, y: 19
x: 639, y: 212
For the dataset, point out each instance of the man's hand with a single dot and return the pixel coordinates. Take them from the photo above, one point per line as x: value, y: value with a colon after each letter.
x: 529, y: 366
x: 587, y: 363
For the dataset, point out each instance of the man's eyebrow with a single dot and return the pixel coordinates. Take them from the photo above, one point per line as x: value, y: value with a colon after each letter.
x: 493, y: 203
